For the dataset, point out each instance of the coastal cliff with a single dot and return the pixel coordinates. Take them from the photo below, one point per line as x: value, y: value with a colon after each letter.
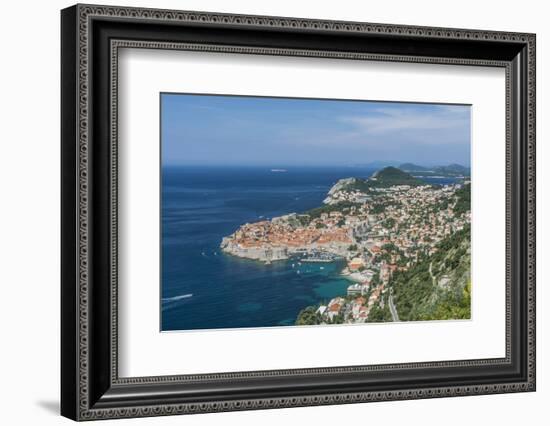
x: 342, y: 184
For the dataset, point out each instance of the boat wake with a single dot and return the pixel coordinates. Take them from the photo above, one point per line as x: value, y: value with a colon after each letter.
x: 176, y: 298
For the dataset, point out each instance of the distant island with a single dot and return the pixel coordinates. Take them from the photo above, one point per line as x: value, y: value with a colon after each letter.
x: 405, y: 245
x: 449, y: 170
x: 452, y: 170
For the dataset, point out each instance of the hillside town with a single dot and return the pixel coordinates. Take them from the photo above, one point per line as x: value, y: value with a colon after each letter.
x: 373, y: 230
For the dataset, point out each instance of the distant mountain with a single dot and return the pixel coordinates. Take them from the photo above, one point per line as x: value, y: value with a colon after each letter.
x: 384, y: 178
x: 410, y: 167
x: 390, y: 176
x: 452, y: 170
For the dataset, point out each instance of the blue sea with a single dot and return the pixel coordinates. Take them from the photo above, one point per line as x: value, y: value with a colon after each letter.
x: 203, y: 288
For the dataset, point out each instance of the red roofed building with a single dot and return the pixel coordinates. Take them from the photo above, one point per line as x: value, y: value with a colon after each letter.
x: 375, y: 249
x: 335, y: 307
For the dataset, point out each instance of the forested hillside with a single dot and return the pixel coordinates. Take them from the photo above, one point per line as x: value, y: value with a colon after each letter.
x: 438, y: 287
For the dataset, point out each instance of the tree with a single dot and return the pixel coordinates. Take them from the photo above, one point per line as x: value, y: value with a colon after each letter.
x: 378, y: 314
x: 389, y: 222
x: 338, y: 319
x: 308, y: 316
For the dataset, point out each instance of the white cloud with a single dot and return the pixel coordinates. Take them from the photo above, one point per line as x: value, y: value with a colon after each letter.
x: 388, y: 120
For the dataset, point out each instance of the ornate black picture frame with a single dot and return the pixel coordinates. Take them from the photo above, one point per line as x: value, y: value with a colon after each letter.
x: 91, y: 387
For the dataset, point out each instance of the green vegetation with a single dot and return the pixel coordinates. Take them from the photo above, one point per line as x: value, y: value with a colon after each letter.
x: 453, y: 306
x: 438, y: 286
x: 463, y: 200
x: 338, y: 319
x: 380, y: 204
x: 389, y: 223
x: 377, y: 208
x: 308, y: 316
x: 379, y: 314
x: 375, y: 280
x: 303, y: 219
x: 329, y: 208
x: 388, y: 176
x: 390, y: 247
x: 442, y: 205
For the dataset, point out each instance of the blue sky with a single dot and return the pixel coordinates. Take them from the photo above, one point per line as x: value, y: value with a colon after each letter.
x: 235, y: 130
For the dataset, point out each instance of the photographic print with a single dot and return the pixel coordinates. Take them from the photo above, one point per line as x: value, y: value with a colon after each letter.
x: 306, y: 212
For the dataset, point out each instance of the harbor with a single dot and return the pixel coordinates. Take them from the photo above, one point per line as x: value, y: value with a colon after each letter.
x: 320, y: 257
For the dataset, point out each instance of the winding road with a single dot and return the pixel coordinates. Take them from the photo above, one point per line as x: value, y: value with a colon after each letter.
x: 394, y: 315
